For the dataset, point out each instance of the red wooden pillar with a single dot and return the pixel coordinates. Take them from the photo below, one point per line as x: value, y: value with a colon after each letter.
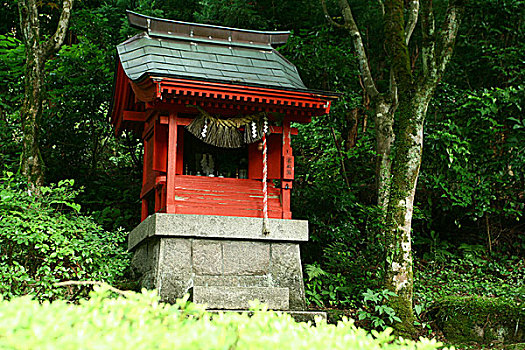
x: 172, y: 163
x: 158, y: 197
x: 288, y: 169
x: 144, y: 209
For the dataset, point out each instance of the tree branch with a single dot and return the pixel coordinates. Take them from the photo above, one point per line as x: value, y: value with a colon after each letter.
x: 413, y: 11
x: 54, y: 43
x: 343, y: 168
x: 382, y: 7
x: 448, y: 33
x: 94, y: 283
x: 359, y: 47
x: 428, y: 36
x: 28, y: 12
x: 329, y: 18
x: 362, y: 58
x: 396, y: 44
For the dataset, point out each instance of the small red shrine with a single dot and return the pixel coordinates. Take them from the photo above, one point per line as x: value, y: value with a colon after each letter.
x: 205, y: 98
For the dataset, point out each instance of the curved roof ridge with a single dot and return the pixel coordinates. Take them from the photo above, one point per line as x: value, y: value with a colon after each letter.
x: 167, y: 27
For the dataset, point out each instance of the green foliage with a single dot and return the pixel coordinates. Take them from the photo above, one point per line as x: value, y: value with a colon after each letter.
x: 11, y: 76
x: 375, y: 309
x: 231, y: 13
x: 114, y: 198
x: 324, y: 63
x: 11, y: 70
x: 474, y: 165
x: 335, y: 179
x: 467, y: 270
x: 344, y: 224
x: 490, y: 51
x: 75, y: 124
x: 439, y: 251
x: 325, y: 289
x: 80, y: 91
x: 470, y: 193
x: 139, y: 321
x: 259, y: 15
x: 45, y: 239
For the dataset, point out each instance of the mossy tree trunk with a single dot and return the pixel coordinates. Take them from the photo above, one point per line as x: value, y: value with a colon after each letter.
x: 412, y: 85
x: 384, y: 123
x: 37, y: 52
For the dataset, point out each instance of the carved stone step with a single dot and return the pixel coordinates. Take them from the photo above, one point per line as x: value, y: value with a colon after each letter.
x: 235, y: 298
x: 298, y: 316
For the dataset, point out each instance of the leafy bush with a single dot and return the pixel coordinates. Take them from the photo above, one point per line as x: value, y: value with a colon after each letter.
x: 327, y: 289
x: 44, y: 239
x: 139, y: 321
x: 472, y: 174
x: 11, y: 76
x: 376, y: 310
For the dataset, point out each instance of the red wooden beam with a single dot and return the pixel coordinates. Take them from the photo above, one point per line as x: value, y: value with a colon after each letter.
x: 133, y: 116
x: 232, y: 110
x: 279, y: 130
x: 273, y: 129
x: 137, y: 116
x: 247, y: 95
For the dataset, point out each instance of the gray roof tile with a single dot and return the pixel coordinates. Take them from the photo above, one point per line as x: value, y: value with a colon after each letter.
x: 164, y: 66
x: 144, y: 55
x: 265, y: 63
x: 203, y: 70
x: 234, y: 60
x: 279, y: 73
x: 220, y: 66
x: 273, y: 79
x: 217, y: 49
x: 173, y: 60
x: 157, y: 50
x: 195, y: 55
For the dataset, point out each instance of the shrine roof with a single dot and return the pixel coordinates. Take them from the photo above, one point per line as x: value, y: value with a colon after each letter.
x: 185, y: 50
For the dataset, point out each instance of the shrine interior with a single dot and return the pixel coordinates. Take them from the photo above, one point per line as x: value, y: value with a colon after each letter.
x: 202, y: 159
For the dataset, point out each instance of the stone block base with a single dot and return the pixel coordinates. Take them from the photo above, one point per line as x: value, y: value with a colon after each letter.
x: 298, y: 316
x: 224, y: 263
x: 239, y: 297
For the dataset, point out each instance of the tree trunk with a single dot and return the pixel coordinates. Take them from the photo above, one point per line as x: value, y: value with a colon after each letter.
x: 408, y: 99
x: 384, y: 122
x: 31, y: 164
x: 31, y: 160
x: 37, y: 52
x: 405, y: 171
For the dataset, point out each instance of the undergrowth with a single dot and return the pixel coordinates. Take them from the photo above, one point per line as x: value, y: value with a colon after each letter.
x: 140, y: 321
x: 45, y: 239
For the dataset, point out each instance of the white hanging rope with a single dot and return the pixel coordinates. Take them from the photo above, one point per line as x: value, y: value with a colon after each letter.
x: 265, y: 179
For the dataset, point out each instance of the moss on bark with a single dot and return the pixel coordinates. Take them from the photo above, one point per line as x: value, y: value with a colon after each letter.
x: 480, y: 319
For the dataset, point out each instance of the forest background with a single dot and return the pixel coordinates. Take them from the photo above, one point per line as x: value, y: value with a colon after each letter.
x: 468, y: 233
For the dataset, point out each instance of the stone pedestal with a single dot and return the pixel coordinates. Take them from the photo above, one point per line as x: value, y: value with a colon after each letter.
x: 221, y: 261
